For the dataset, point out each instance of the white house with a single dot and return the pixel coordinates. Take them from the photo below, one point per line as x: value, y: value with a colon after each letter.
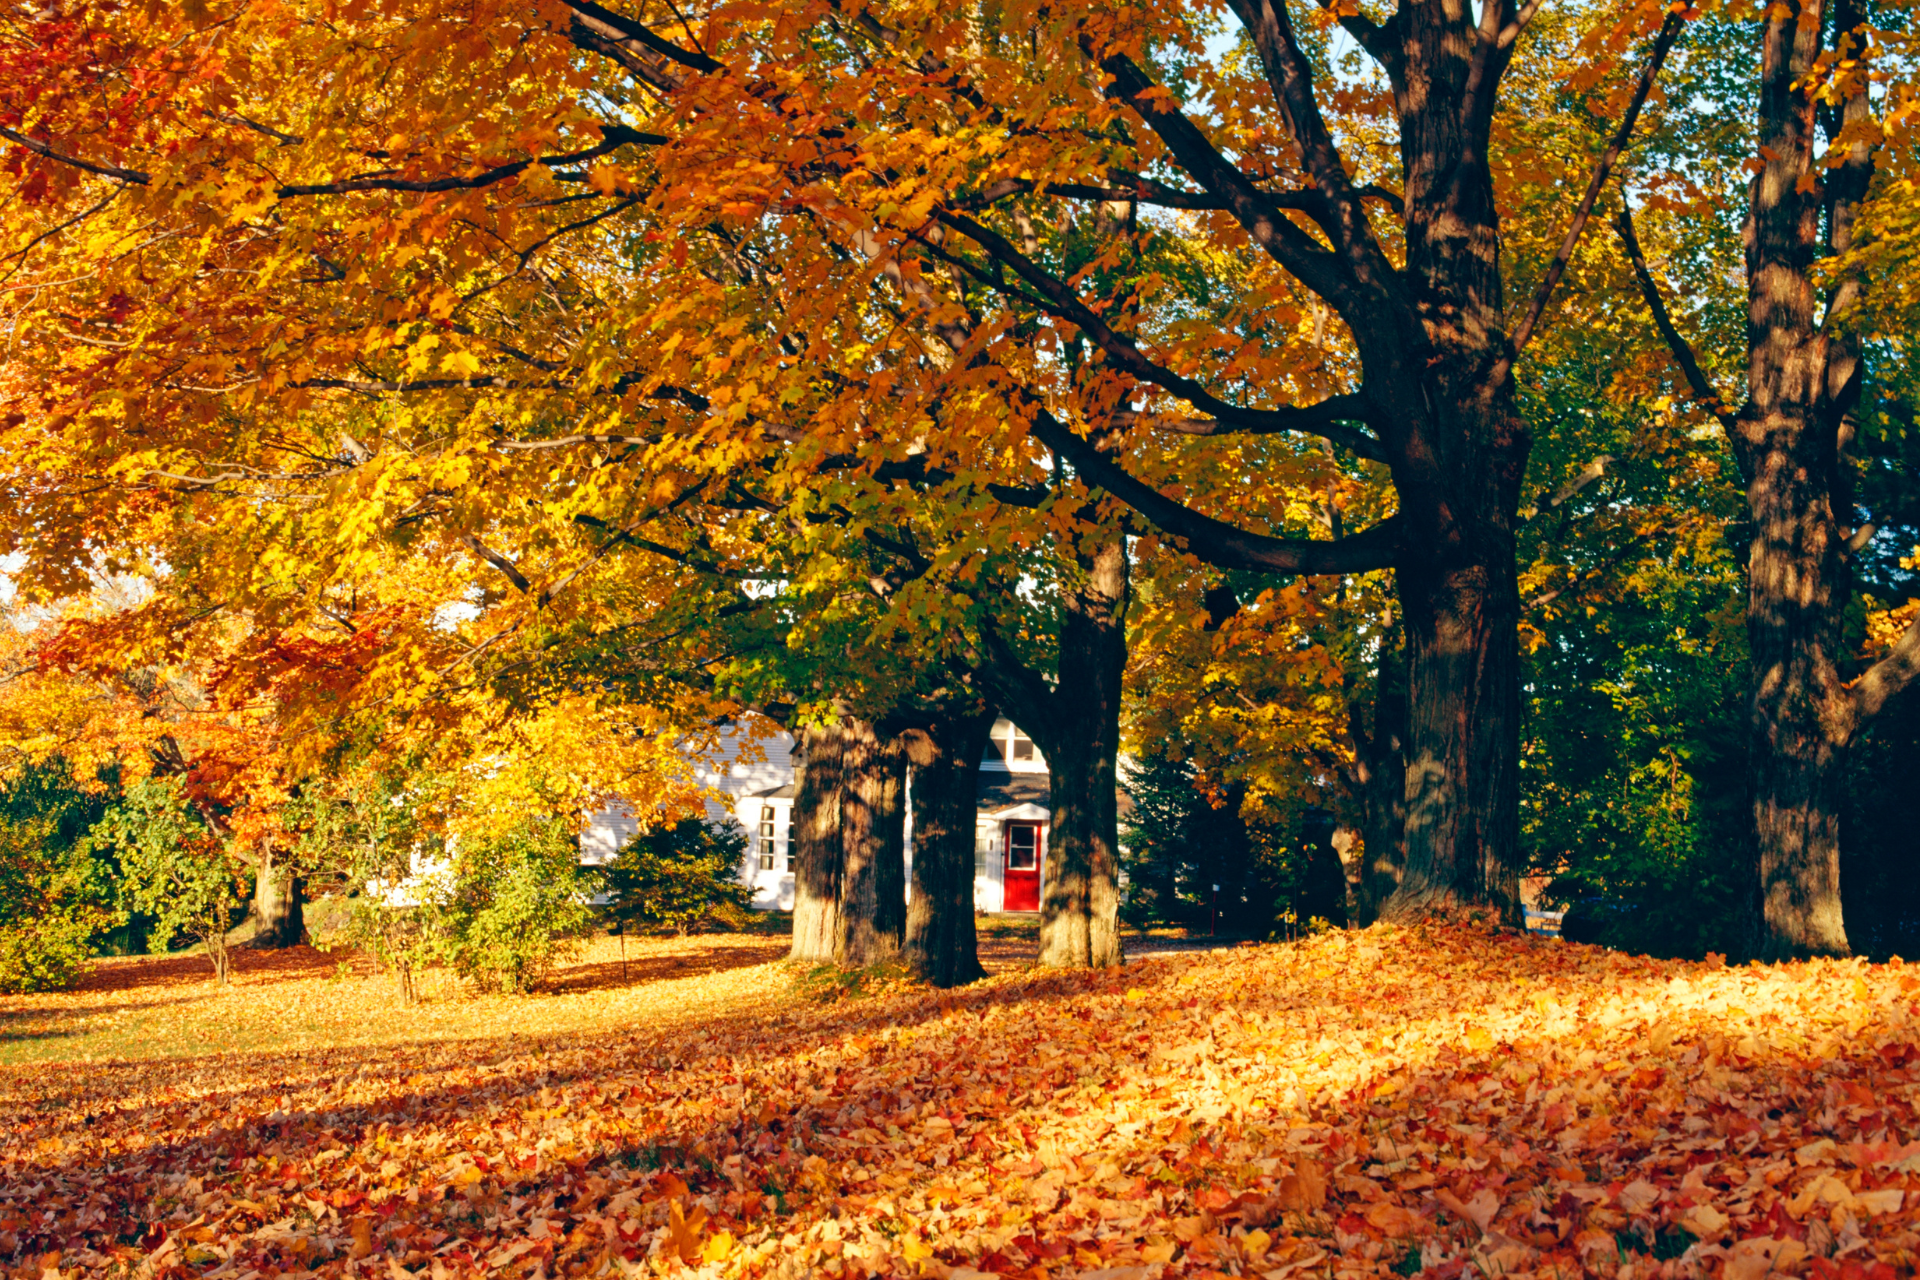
x: 1010, y: 835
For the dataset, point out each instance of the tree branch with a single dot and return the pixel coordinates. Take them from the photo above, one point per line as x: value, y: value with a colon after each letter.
x: 612, y: 137
x: 1669, y: 31
x: 1291, y: 78
x: 103, y: 170
x: 1677, y: 345
x: 1887, y: 677
x: 1215, y: 541
x: 1314, y: 266
x: 1380, y: 41
x: 499, y: 562
x: 1063, y: 303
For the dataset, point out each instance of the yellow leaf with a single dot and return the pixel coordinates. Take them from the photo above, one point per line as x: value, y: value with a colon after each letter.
x: 1704, y: 1221
x: 684, y: 1232
x: 718, y: 1247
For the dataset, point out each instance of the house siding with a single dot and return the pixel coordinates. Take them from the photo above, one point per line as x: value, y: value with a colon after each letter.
x: 1013, y: 784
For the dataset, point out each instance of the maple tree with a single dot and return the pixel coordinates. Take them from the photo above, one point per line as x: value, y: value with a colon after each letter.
x: 718, y: 240
x: 557, y: 315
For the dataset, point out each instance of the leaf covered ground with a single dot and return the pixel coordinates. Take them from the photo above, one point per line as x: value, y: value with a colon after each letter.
x: 1354, y: 1104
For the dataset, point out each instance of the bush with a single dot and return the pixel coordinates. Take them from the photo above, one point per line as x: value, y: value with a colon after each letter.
x: 173, y: 867
x: 521, y: 903
x: 48, y: 954
x: 402, y: 915
x: 674, y: 875
x: 54, y: 898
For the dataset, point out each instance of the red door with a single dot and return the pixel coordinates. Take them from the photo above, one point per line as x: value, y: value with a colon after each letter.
x: 1025, y: 847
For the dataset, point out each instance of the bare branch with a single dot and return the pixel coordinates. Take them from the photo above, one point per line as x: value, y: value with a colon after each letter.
x: 1215, y: 541
x: 1677, y: 345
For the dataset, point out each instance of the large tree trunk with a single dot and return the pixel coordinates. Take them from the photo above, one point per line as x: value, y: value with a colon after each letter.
x: 816, y: 842
x: 1463, y: 741
x: 872, y: 916
x: 849, y: 875
x: 941, y: 945
x: 1800, y: 394
x: 1080, y: 735
x: 279, y: 905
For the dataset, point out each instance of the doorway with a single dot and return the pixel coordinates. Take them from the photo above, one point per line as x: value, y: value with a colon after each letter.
x: 1026, y: 846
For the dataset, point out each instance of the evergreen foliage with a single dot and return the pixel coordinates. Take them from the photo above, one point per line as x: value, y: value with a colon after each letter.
x: 1196, y: 857
x: 675, y: 874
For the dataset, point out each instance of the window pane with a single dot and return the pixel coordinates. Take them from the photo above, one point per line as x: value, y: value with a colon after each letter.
x: 1021, y: 849
x: 1022, y: 746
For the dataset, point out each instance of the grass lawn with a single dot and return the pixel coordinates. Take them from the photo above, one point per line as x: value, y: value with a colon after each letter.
x: 1447, y: 1098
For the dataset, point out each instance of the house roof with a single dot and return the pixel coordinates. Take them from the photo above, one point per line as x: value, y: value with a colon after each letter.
x: 773, y: 793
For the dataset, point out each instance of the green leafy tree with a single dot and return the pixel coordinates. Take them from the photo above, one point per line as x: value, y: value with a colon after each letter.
x: 173, y: 868
x: 674, y: 875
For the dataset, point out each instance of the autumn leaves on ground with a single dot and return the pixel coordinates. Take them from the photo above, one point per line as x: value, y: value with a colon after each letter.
x: 1356, y: 1103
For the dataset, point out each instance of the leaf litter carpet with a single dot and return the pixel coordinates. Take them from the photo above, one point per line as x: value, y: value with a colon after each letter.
x: 1441, y: 1101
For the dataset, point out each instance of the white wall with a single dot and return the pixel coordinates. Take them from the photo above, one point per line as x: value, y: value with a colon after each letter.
x: 614, y: 824
x: 735, y: 778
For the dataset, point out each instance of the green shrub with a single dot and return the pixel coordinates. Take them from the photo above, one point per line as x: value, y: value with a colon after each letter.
x: 521, y: 903
x: 48, y: 954
x: 55, y: 899
x: 172, y: 867
x: 674, y: 875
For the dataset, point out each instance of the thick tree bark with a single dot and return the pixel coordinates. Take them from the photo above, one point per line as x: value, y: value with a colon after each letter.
x: 1079, y: 733
x: 1791, y: 437
x: 849, y: 875
x: 1461, y: 773
x: 815, y: 841
x: 279, y: 905
x: 941, y: 945
x: 872, y: 916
